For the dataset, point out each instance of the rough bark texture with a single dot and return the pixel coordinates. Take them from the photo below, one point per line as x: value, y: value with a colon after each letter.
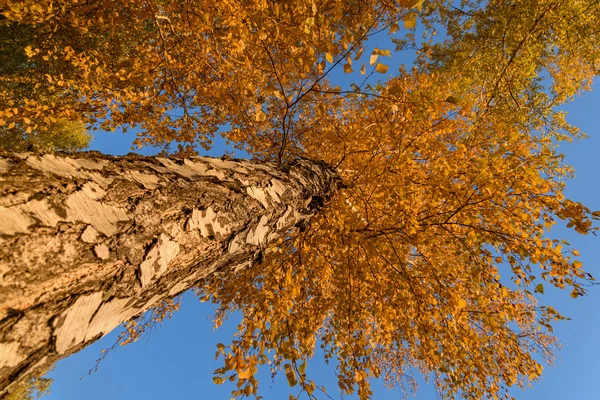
x: 88, y: 241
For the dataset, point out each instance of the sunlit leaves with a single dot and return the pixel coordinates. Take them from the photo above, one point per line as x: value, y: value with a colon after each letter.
x: 179, y: 72
x: 33, y: 389
x: 376, y: 53
x: 526, y: 60
x: 59, y: 135
x: 405, y: 269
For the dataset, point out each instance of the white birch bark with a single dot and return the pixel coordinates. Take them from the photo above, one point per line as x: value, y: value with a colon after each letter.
x: 88, y: 241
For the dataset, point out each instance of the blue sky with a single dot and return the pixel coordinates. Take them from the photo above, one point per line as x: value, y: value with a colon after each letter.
x: 177, y: 360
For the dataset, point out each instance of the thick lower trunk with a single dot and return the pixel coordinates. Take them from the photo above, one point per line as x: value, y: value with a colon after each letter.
x: 89, y: 241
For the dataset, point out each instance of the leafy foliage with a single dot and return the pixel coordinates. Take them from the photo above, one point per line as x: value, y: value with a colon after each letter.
x: 18, y: 132
x: 61, y: 135
x: 179, y: 70
x: 33, y: 389
x: 430, y: 259
x: 404, y: 271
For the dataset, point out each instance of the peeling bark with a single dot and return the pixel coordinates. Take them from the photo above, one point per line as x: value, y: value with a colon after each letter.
x: 88, y: 241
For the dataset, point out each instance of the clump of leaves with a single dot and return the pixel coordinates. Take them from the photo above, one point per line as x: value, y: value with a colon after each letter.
x: 58, y: 136
x: 33, y: 389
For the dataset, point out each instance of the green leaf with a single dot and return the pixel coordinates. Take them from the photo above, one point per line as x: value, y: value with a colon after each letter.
x: 454, y: 99
x: 539, y: 288
x: 395, y: 90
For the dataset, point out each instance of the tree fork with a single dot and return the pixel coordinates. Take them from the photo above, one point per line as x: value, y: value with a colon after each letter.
x: 89, y: 241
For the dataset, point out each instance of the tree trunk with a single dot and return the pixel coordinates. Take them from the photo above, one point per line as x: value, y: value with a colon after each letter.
x: 88, y: 241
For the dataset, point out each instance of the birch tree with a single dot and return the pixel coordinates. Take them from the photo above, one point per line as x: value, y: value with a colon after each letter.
x: 431, y: 256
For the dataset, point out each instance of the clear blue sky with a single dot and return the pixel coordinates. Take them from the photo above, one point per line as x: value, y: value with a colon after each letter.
x: 177, y: 360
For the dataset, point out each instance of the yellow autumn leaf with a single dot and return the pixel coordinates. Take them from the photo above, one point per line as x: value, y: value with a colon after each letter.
x: 244, y: 374
x: 291, y: 378
x: 381, y: 68
x: 329, y: 58
x: 302, y: 367
x: 408, y: 3
x: 373, y: 58
x: 259, y: 114
x: 410, y: 20
x: 359, y: 53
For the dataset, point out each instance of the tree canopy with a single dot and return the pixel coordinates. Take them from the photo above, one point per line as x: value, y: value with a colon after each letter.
x: 16, y: 87
x: 431, y: 258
